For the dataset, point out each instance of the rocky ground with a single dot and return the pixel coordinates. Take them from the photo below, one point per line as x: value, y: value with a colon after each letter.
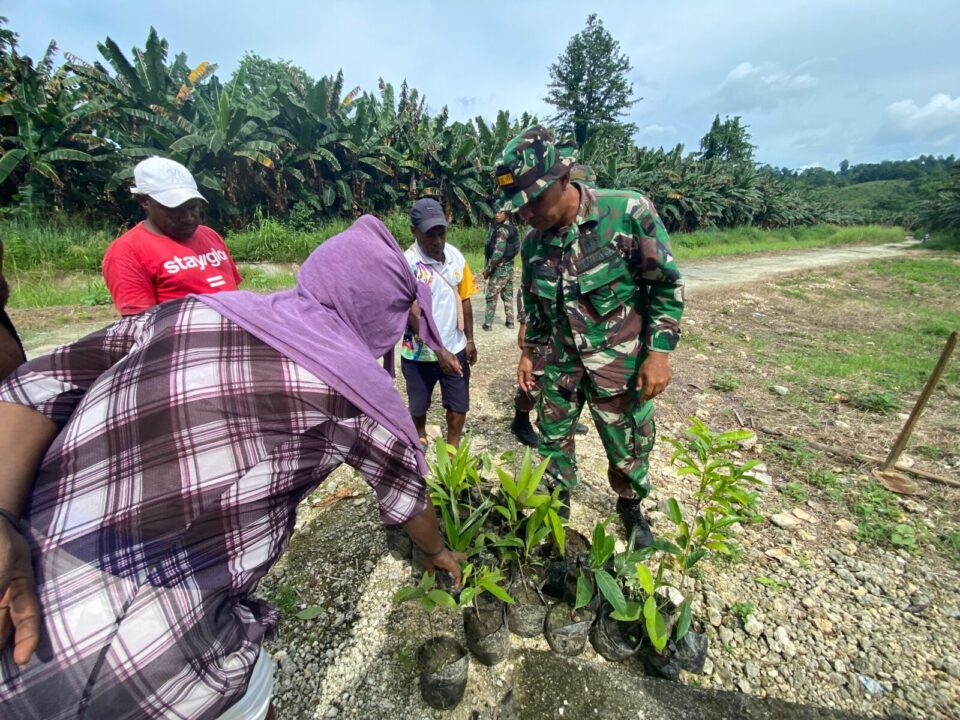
x: 810, y: 610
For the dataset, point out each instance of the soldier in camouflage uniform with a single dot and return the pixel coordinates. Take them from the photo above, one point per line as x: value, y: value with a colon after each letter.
x: 500, y: 250
x: 601, y: 287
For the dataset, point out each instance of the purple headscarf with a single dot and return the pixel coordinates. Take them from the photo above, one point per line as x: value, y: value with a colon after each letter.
x: 349, y: 308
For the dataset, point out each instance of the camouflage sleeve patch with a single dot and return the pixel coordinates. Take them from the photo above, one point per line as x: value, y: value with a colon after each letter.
x: 648, y: 252
x: 538, y: 325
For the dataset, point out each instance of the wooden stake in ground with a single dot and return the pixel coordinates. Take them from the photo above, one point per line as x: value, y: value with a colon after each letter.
x: 887, y: 473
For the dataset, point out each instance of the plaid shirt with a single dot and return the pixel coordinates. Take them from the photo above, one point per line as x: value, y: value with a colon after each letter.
x: 186, y: 445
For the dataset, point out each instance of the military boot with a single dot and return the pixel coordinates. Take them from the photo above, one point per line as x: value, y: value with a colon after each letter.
x: 522, y: 429
x: 634, y: 523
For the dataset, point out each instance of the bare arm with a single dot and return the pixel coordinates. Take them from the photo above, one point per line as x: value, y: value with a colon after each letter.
x: 414, y: 319
x: 468, y: 331
x: 422, y: 529
x: 25, y: 435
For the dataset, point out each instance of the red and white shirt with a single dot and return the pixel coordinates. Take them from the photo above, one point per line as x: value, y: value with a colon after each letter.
x: 143, y: 269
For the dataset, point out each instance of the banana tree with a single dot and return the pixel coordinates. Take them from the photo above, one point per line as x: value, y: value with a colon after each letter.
x: 52, y: 130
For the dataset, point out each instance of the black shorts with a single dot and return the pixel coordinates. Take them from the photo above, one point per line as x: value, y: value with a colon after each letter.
x: 422, y: 377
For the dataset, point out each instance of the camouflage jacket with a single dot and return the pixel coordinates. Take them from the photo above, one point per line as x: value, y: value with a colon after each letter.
x: 605, y: 289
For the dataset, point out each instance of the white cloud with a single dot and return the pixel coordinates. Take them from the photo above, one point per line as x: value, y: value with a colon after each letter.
x: 761, y: 87
x: 937, y: 121
x: 657, y: 130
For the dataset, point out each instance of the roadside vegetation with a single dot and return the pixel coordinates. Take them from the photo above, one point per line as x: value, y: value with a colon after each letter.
x: 852, y: 351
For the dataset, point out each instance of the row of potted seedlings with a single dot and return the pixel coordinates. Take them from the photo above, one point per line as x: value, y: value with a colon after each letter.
x: 528, y: 574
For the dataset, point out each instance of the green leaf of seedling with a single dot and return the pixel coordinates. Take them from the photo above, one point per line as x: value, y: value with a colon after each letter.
x: 683, y: 622
x: 733, y: 436
x: 309, y: 613
x: 646, y: 579
x: 599, y: 533
x: 693, y: 558
x: 720, y: 547
x: 467, y: 595
x: 443, y: 599
x: 559, y: 536
x: 507, y: 483
x: 673, y: 509
x: 631, y: 614
x: 771, y: 583
x: 666, y: 546
x: 427, y: 581
x: 611, y: 590
x: 498, y: 592
x: 656, y: 628
x: 584, y: 591
x: 407, y: 593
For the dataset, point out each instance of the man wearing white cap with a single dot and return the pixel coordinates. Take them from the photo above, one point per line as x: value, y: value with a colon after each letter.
x: 170, y: 254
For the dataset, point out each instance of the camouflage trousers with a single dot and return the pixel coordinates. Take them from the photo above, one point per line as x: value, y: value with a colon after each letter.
x: 499, y: 285
x: 624, y: 422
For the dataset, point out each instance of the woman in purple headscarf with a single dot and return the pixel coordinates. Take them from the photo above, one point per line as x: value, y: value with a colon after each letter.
x: 151, y: 474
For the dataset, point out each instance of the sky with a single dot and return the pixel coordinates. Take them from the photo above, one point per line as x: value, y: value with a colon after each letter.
x: 817, y: 81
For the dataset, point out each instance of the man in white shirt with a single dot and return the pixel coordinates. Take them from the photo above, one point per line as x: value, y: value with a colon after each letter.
x: 445, y: 270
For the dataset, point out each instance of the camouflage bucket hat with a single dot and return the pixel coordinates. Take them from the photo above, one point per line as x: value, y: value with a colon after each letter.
x: 529, y: 164
x: 581, y: 172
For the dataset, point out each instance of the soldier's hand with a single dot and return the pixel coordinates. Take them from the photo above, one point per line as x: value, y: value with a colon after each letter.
x: 520, y: 333
x: 525, y: 377
x: 655, y: 374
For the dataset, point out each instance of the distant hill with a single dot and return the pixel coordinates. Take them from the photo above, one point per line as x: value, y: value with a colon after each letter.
x: 877, y: 196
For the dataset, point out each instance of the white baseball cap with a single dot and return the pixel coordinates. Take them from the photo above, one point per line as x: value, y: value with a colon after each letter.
x: 166, y: 181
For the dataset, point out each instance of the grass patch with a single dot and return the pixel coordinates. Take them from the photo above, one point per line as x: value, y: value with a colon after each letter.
x: 874, y: 361
x: 828, y: 482
x: 880, y: 520
x: 795, y: 491
x: 284, y: 598
x: 949, y: 544
x: 258, y: 279
x: 877, y: 401
x: 742, y: 610
x: 747, y: 240
x: 792, y: 453
x: 796, y: 293
x: 944, y: 240
x: 70, y: 244
x: 47, y: 288
x: 725, y: 382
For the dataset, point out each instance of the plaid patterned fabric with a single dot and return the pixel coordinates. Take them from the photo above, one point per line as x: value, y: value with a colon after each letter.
x: 172, y: 488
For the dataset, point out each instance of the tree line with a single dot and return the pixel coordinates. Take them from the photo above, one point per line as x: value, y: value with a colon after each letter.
x: 274, y: 140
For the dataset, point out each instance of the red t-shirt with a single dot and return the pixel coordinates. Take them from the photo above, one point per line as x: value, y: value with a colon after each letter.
x: 143, y: 269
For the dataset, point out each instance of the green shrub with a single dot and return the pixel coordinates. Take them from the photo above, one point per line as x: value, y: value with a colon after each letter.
x: 725, y: 382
